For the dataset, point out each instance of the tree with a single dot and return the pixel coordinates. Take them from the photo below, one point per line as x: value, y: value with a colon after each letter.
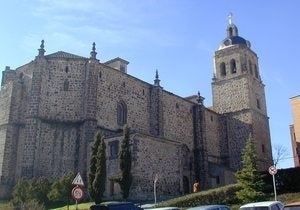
x: 279, y: 153
x: 61, y: 189
x: 93, y: 164
x: 98, y: 184
x: 38, y: 190
x: 248, y: 177
x: 20, y: 192
x: 125, y: 164
x: 31, y: 193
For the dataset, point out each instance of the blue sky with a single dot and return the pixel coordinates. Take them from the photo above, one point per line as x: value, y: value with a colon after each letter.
x: 176, y: 37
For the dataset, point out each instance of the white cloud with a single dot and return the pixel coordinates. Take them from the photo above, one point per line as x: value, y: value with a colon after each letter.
x: 110, y: 21
x: 54, y: 42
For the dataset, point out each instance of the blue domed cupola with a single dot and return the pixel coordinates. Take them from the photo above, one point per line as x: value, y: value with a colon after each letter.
x: 233, y: 37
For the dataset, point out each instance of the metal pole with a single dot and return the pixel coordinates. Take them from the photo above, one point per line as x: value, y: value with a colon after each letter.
x: 76, y: 205
x: 274, y: 188
x: 155, y: 192
x: 155, y: 180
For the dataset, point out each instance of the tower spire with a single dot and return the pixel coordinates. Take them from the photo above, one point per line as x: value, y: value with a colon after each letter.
x: 93, y: 52
x: 42, y: 50
x: 200, y: 98
x: 157, y: 80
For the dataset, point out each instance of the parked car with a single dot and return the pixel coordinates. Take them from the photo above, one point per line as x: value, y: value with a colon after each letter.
x: 264, y: 205
x: 115, y: 206
x: 210, y: 207
x: 292, y: 206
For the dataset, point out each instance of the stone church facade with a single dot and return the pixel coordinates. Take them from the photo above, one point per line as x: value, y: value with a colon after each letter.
x: 52, y: 107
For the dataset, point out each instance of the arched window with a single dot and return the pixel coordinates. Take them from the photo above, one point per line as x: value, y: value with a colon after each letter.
x: 223, y: 69
x: 258, y: 103
x: 233, y: 66
x: 113, y: 149
x: 256, y: 71
x: 263, y: 148
x: 66, y: 85
x: 121, y: 113
x: 230, y: 31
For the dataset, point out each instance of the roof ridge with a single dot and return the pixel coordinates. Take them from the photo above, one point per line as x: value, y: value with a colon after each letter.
x: 62, y: 54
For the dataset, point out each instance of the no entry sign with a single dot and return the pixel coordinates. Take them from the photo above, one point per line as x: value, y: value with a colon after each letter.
x: 272, y: 170
x: 77, y: 193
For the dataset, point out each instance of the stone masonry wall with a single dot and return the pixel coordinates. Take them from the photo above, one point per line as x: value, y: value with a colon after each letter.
x: 262, y: 144
x: 156, y: 156
x: 239, y: 128
x: 27, y: 69
x: 9, y: 130
x: 226, y: 92
x: 115, y: 86
x: 62, y: 92
x: 5, y: 102
x: 178, y: 119
x: 258, y: 95
x: 150, y: 156
x: 156, y: 111
x: 214, y: 137
x: 57, y: 149
x: 5, y: 130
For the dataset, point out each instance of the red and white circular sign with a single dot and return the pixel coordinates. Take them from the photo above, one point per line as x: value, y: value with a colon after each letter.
x: 77, y: 193
x: 272, y: 170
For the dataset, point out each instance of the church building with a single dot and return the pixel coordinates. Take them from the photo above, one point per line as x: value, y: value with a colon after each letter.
x: 52, y: 107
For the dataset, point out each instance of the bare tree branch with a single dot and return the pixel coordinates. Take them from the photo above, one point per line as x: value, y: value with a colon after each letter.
x: 279, y: 153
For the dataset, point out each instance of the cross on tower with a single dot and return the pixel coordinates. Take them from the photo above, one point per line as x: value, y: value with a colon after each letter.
x: 230, y: 18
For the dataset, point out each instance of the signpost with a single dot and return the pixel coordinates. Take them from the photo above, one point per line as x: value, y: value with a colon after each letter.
x: 155, y: 181
x: 273, y: 171
x: 77, y: 191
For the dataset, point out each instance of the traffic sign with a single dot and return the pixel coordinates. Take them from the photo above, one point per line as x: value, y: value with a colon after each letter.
x: 78, y: 180
x: 77, y: 193
x: 272, y: 170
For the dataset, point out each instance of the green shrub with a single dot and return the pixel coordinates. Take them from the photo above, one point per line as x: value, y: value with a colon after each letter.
x: 29, y: 205
x: 222, y: 195
x: 30, y: 191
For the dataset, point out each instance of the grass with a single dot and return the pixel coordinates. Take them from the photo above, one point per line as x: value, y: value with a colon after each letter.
x: 4, y: 204
x: 81, y: 206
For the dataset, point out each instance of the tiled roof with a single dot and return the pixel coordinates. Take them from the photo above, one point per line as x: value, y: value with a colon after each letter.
x: 61, y: 54
x: 116, y: 59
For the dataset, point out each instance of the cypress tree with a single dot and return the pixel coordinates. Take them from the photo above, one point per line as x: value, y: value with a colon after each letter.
x: 125, y: 164
x: 249, y: 177
x: 98, y: 183
x: 93, y: 163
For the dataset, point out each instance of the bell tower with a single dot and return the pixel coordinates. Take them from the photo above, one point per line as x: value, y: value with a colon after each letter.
x: 238, y: 95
